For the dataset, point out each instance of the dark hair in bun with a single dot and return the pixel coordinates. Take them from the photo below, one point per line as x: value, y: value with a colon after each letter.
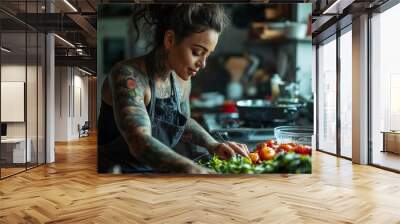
x: 183, y: 19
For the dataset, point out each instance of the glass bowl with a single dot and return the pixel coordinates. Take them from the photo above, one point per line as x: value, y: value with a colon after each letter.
x: 294, y: 134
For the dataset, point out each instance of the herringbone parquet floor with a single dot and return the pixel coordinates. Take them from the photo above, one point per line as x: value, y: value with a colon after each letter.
x: 70, y: 191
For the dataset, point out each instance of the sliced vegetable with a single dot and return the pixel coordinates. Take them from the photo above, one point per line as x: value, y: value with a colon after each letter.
x: 283, y: 158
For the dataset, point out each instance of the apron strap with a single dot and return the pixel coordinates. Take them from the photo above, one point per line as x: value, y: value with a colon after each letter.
x: 174, y: 93
x: 150, y: 73
x: 152, y: 98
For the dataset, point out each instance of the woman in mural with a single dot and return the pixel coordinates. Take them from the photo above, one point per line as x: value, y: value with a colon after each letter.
x: 145, y: 101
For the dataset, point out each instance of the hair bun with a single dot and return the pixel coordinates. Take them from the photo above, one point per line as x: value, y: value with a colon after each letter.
x: 183, y: 19
x: 161, y: 13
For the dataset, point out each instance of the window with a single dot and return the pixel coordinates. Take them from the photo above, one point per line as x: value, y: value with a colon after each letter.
x: 385, y: 89
x: 23, y: 77
x: 327, y: 97
x: 346, y: 94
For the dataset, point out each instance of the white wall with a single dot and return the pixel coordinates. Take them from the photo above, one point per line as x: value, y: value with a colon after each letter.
x: 61, y: 103
x: 12, y: 73
x: 79, y: 117
x: 33, y: 127
x: 70, y: 83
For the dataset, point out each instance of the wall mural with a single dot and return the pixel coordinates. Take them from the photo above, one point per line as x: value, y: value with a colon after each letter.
x: 247, y: 112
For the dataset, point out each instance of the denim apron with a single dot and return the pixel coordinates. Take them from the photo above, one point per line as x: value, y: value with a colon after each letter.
x: 167, y: 126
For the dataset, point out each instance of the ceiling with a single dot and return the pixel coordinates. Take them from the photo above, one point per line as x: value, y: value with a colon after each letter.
x: 77, y: 27
x: 329, y: 16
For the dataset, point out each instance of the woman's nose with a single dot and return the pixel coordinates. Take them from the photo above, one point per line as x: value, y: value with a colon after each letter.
x: 202, y: 63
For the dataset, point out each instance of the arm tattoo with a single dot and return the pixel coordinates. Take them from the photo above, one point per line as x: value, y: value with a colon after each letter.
x: 194, y: 132
x: 133, y: 121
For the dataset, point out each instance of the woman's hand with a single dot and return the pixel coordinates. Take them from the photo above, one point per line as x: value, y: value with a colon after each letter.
x: 199, y: 170
x: 226, y: 150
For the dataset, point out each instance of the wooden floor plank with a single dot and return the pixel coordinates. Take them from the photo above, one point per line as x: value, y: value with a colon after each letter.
x: 70, y: 191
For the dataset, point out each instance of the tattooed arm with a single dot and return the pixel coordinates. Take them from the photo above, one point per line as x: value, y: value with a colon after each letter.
x: 196, y: 134
x: 128, y: 88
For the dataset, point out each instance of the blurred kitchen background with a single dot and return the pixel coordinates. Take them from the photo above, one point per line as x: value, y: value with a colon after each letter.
x: 258, y: 77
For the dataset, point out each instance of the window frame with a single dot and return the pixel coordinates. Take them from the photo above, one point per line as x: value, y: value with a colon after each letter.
x: 347, y: 27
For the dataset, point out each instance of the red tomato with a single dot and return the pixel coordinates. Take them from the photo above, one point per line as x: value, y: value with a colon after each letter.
x: 299, y: 149
x: 303, y: 149
x: 286, y: 147
x: 275, y: 146
x: 267, y: 153
x: 270, y: 143
x: 261, y: 145
x: 294, y: 147
x: 308, y: 149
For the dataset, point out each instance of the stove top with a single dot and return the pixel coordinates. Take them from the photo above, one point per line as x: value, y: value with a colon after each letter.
x: 229, y: 127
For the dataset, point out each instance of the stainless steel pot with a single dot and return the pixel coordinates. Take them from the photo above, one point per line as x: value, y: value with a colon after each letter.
x: 260, y: 110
